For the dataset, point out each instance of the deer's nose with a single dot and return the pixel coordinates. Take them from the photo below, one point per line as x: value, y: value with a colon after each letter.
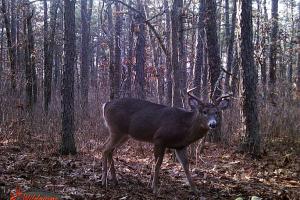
x: 212, y: 124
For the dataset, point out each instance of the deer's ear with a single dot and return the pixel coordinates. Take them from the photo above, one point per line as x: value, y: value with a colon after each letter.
x: 223, y: 104
x: 194, y: 103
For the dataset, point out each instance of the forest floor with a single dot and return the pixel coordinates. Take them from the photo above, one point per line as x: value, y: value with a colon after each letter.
x: 221, y: 173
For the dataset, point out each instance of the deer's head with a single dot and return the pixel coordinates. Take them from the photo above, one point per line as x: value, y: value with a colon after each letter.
x: 208, y: 113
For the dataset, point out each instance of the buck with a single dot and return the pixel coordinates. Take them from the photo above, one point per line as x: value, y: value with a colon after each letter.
x: 165, y: 127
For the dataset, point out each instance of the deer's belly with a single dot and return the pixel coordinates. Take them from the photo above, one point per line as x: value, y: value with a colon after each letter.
x: 141, y: 134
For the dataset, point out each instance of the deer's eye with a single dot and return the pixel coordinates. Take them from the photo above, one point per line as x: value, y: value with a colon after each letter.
x: 205, y: 112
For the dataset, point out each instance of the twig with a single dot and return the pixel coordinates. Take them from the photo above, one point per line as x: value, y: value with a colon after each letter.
x: 151, y: 27
x: 159, y: 14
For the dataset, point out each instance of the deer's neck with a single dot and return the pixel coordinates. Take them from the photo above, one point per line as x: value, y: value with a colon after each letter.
x: 197, y: 129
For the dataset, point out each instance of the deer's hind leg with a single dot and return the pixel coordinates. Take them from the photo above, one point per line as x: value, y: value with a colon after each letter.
x: 113, y: 142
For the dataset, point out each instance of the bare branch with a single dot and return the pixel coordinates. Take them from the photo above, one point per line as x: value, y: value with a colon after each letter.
x: 151, y: 27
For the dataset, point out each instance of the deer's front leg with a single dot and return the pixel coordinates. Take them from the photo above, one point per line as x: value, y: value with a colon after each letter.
x: 159, y: 152
x: 181, y: 155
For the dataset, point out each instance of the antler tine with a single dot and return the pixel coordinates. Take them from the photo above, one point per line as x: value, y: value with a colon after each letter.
x: 223, y: 97
x: 192, y: 95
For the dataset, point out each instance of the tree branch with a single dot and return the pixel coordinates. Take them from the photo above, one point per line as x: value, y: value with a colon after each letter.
x: 151, y: 27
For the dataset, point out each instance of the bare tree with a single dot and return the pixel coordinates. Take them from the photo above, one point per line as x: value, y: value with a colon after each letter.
x: 129, y: 52
x: 175, y: 17
x: 298, y: 60
x: 85, y: 53
x: 140, y: 51
x: 214, y: 60
x: 291, y: 48
x: 1, y: 53
x: 28, y: 69
x: 13, y: 26
x: 274, y: 45
x: 155, y: 60
x: 182, y: 49
x: 10, y: 45
x: 249, y: 74
x: 230, y: 47
x: 49, y: 49
x: 264, y: 42
x: 199, y: 64
x: 68, y: 142
x: 168, y: 61
x: 111, y: 51
x: 117, y: 67
x: 32, y: 56
x: 47, y: 67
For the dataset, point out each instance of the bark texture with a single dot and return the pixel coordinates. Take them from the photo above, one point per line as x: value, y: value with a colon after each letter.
x: 68, y: 142
x: 249, y: 75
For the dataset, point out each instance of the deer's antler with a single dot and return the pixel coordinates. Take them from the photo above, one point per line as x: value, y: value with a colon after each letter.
x: 223, y: 97
x: 189, y: 92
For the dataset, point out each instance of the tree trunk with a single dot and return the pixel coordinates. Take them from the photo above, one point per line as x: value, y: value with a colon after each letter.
x: 31, y: 52
x: 28, y: 69
x: 13, y: 29
x: 58, y: 60
x: 92, y: 72
x: 47, y: 67
x: 111, y: 52
x: 57, y: 71
x: 257, y: 38
x: 298, y: 60
x: 230, y: 47
x: 274, y: 45
x: 129, y: 53
x: 68, y: 142
x: 168, y: 60
x: 234, y: 86
x: 1, y: 56
x: 19, y: 52
x: 85, y: 56
x: 155, y: 62
x: 264, y: 50
x: 11, y: 48
x: 182, y: 51
x: 199, y: 64
x: 1, y: 70
x: 118, y: 35
x: 205, y: 93
x: 175, y: 17
x: 140, y: 52
x: 194, y: 36
x: 94, y: 78
x: 227, y: 25
x: 291, y: 48
x: 249, y: 74
x: 49, y: 49
x: 214, y: 60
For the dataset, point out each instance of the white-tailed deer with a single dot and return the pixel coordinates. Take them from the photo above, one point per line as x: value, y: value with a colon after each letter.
x: 165, y: 127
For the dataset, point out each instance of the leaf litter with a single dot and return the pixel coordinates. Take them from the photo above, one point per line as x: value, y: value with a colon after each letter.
x: 224, y: 174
